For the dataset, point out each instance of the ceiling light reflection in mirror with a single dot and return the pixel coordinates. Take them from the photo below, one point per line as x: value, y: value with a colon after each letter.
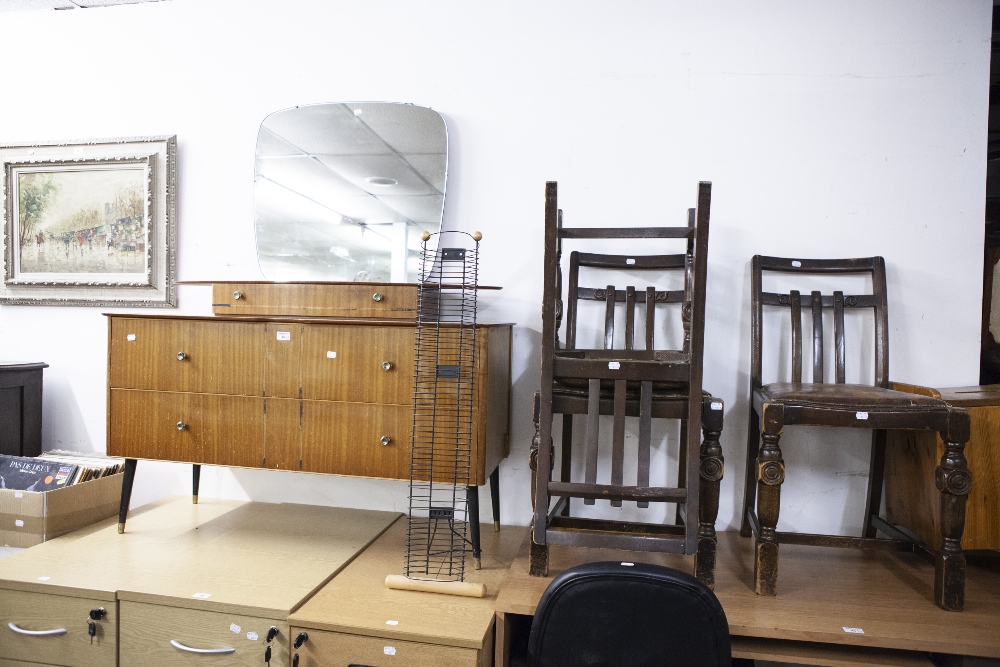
x: 343, y: 191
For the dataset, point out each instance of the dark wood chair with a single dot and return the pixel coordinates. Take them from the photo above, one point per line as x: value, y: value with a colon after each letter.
x: 622, y: 382
x: 886, y: 405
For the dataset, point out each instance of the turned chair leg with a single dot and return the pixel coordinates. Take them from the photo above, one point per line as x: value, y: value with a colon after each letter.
x: 770, y: 475
x: 953, y: 480
x: 711, y: 471
x: 750, y: 483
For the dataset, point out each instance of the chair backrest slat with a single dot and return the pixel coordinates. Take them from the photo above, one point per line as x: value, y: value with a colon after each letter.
x: 609, y: 319
x: 838, y: 334
x: 629, y: 317
x: 650, y: 316
x: 571, y: 301
x: 817, y: 314
x: 796, y: 308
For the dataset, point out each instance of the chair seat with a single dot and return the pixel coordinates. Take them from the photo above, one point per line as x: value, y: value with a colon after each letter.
x: 662, y: 391
x: 846, y: 397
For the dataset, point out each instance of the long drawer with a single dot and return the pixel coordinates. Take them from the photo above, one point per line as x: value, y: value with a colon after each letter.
x: 162, y: 636
x: 64, y: 620
x: 354, y: 300
x: 200, y: 428
x: 335, y: 649
x: 187, y: 355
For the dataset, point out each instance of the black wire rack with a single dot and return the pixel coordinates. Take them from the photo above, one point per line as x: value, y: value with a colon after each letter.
x: 441, y: 452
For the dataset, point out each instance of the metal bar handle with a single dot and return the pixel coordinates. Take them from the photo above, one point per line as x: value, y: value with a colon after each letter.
x: 37, y: 633
x: 205, y: 651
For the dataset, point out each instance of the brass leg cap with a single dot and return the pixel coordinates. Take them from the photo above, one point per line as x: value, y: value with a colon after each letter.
x: 194, y: 500
x: 496, y: 526
x: 121, y: 528
x: 478, y: 563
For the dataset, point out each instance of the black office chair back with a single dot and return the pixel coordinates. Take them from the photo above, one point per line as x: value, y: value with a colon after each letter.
x: 614, y: 614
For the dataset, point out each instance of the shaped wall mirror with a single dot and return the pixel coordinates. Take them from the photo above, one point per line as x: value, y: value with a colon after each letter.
x: 343, y: 191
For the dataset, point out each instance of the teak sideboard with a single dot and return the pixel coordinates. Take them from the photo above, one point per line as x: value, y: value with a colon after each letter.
x: 312, y: 377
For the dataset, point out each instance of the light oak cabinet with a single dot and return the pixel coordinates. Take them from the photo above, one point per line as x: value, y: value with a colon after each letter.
x: 52, y: 629
x: 317, y: 395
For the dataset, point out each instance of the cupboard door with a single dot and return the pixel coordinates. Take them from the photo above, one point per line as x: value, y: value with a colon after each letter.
x: 196, y: 428
x: 66, y: 619
x: 186, y: 355
x: 282, y: 434
x: 356, y: 439
x: 357, y: 363
x: 282, y: 359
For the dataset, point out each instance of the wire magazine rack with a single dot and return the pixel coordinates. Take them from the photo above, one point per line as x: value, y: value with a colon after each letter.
x: 441, y: 451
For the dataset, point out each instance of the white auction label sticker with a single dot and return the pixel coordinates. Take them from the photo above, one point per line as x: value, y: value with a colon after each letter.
x: 130, y: 337
x: 389, y: 650
x: 861, y: 415
x: 252, y: 636
x: 44, y: 578
x: 614, y: 365
x: 854, y: 631
x: 630, y: 261
x: 716, y: 405
x: 796, y: 263
x: 392, y: 622
x: 235, y: 628
x: 18, y: 494
x: 284, y: 335
x: 331, y: 354
x: 202, y: 596
x: 18, y: 523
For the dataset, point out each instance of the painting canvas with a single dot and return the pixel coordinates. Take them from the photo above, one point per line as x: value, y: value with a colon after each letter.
x: 89, y: 223
x: 73, y: 221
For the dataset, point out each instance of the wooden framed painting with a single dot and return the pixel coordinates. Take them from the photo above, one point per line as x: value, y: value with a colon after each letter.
x: 90, y: 223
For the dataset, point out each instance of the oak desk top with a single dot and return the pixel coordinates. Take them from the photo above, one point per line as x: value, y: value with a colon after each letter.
x: 356, y: 601
x: 821, y: 592
x: 220, y: 555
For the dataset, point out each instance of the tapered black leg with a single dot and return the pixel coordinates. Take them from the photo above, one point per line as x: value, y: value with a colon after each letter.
x: 195, y: 482
x: 472, y: 497
x: 128, y: 476
x: 495, y: 498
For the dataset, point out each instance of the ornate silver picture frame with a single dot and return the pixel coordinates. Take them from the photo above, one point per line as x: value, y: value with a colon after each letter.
x: 90, y: 223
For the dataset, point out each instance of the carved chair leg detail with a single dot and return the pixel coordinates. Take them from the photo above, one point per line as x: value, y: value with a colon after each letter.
x: 770, y: 475
x: 954, y: 481
x: 710, y: 475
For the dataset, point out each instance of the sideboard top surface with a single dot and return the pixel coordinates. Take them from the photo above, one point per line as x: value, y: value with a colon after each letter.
x: 218, y: 555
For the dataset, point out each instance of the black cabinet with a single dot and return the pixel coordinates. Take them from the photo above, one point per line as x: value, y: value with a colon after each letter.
x: 21, y: 408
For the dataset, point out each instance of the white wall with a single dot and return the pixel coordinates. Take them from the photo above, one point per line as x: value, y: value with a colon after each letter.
x: 829, y: 128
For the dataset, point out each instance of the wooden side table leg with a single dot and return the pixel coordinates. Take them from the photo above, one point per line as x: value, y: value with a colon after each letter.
x: 128, y: 476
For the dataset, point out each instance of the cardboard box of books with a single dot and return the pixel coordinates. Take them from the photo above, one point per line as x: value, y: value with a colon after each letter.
x: 58, y: 492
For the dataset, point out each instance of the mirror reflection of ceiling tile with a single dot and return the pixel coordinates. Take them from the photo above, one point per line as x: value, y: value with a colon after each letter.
x: 407, y: 128
x: 325, y: 128
x: 357, y: 169
x: 271, y: 145
x: 423, y: 211
x: 431, y: 168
